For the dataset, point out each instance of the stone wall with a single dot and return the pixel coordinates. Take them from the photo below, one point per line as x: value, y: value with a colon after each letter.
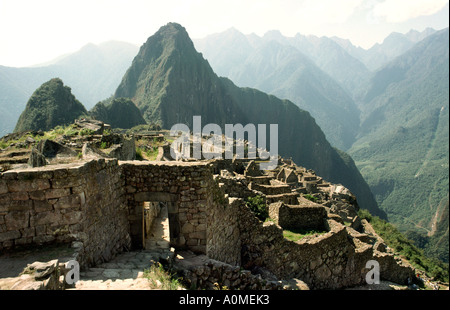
x: 65, y: 203
x: 214, y: 274
x: 235, y: 186
x: 223, y: 235
x: 292, y: 217
x: 188, y: 188
x: 323, y: 261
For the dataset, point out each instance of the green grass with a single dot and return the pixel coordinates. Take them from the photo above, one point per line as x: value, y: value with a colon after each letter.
x: 298, y: 234
x: 139, y: 154
x: 161, y: 279
x: 153, y: 153
x: 311, y: 197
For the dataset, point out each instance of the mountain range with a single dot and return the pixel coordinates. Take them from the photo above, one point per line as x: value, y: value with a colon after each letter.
x: 395, y: 105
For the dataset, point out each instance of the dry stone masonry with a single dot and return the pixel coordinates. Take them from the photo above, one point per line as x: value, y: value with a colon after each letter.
x: 98, y: 207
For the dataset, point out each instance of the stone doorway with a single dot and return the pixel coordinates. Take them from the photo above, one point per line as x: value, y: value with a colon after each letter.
x: 155, y: 225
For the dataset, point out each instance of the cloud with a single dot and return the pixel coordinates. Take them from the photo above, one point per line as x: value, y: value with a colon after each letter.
x: 328, y: 11
x: 397, y: 11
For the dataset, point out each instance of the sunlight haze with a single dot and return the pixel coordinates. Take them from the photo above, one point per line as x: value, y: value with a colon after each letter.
x: 33, y: 32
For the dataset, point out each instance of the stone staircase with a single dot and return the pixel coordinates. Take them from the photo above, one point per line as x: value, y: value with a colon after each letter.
x: 125, y: 272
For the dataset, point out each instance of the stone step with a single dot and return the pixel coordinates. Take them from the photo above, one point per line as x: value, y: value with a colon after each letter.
x: 125, y: 272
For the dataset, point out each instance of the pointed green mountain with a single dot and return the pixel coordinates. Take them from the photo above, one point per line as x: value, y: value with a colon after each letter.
x: 52, y: 104
x: 170, y: 82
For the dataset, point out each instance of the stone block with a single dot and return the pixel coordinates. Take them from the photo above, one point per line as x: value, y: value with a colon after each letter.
x: 192, y: 241
x: 16, y: 220
x: 19, y: 196
x: 200, y: 227
x: 67, y: 182
x: 9, y: 175
x: 9, y: 235
x: 47, y: 217
x: 37, y: 195
x: 60, y: 173
x: 23, y: 241
x: 20, y: 205
x: 19, y: 186
x: 198, y: 235
x: 40, y: 230
x: 57, y: 193
x: 72, y: 217
x: 40, y: 184
x: 28, y: 232
x: 28, y: 185
x: 4, y: 202
x: 72, y: 201
x: 3, y: 187
x: 187, y: 228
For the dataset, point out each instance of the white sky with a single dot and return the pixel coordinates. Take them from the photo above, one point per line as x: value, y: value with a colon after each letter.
x: 36, y: 31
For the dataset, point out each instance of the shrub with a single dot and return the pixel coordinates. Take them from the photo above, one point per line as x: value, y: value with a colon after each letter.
x: 311, y: 197
x: 258, y: 206
x: 139, y: 154
x: 161, y: 279
x: 86, y: 132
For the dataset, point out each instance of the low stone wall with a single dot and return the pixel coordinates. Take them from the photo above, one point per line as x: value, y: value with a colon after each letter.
x: 76, y: 202
x: 235, y: 187
x: 327, y: 261
x: 270, y: 189
x: 287, y: 198
x: 310, y: 217
x: 218, y: 275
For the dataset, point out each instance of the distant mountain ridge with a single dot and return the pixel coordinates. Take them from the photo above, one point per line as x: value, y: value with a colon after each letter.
x: 275, y: 66
x: 93, y: 74
x: 402, y: 147
x: 392, y: 46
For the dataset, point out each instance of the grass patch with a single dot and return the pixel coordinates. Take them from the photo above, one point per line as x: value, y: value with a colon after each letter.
x: 311, y: 197
x: 161, y: 279
x: 298, y: 234
x: 139, y: 154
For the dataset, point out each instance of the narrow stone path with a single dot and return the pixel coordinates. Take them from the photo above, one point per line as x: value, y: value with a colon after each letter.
x: 125, y: 272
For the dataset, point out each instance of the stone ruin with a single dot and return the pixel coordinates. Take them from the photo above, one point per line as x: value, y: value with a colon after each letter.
x: 98, y: 205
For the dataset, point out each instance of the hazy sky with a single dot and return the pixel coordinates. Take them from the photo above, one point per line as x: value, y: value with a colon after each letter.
x: 35, y: 31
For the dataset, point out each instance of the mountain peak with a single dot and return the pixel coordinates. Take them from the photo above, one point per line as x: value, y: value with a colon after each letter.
x: 171, y: 28
x: 50, y: 105
x: 167, y: 54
